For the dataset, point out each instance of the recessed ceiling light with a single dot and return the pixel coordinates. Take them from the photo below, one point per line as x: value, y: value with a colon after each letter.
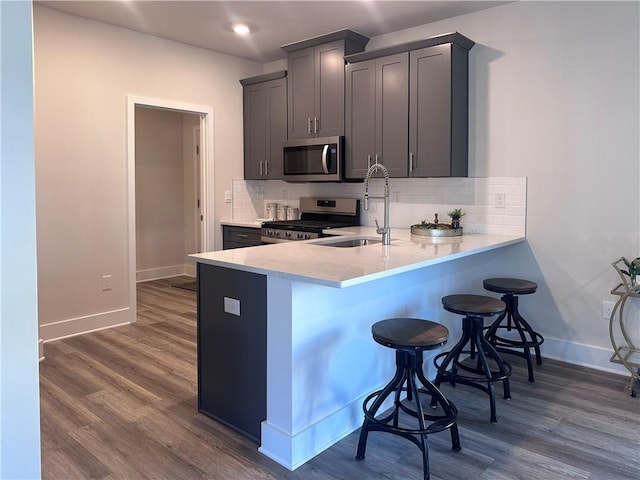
x: 240, y: 29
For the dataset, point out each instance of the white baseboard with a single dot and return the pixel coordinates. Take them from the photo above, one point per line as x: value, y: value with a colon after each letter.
x: 581, y: 354
x: 165, y: 272
x: 88, y: 323
x: 293, y: 450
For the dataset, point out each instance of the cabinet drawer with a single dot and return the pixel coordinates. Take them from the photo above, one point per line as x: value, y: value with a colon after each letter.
x: 237, y: 237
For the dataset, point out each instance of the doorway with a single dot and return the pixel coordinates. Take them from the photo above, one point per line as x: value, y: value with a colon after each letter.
x: 167, y: 213
x: 199, y: 178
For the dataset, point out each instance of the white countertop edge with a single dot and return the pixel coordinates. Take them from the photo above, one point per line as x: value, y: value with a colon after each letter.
x: 250, y: 224
x: 207, y: 259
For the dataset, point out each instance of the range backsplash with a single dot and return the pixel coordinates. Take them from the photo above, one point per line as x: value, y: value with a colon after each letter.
x: 411, y: 200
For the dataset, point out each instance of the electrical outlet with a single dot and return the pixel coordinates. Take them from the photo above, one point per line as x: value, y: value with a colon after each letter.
x: 501, y: 200
x: 607, y: 309
x: 227, y: 196
x: 106, y: 282
x: 232, y: 306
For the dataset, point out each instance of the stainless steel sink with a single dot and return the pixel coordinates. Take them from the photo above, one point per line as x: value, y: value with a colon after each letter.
x: 347, y: 242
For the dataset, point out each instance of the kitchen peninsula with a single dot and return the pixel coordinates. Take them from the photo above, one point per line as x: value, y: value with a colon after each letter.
x: 316, y: 304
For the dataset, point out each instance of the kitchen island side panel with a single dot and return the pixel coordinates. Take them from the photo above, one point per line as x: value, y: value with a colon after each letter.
x: 323, y: 361
x: 232, y: 349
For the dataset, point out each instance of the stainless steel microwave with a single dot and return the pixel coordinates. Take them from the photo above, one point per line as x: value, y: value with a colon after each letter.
x: 313, y: 159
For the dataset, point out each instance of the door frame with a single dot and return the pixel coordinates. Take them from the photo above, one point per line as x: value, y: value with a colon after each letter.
x: 206, y: 165
x: 197, y: 161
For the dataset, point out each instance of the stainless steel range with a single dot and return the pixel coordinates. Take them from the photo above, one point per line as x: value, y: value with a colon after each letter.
x: 316, y: 214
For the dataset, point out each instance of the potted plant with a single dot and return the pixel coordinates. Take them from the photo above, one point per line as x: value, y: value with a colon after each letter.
x: 436, y: 229
x: 456, y: 214
x: 633, y: 269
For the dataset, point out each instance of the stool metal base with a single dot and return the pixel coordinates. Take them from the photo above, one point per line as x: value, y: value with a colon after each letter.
x: 527, y: 338
x: 481, y: 376
x: 408, y: 368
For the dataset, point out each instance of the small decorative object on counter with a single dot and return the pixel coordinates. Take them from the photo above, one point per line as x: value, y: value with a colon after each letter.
x: 436, y: 229
x: 293, y: 213
x: 456, y: 214
x: 282, y: 212
x: 272, y: 211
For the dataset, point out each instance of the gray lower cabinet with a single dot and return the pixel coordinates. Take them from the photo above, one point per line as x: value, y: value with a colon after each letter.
x: 438, y: 126
x: 232, y: 348
x: 239, y: 237
x: 377, y: 115
x: 265, y: 125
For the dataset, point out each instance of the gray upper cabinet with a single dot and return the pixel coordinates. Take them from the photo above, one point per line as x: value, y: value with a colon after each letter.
x: 377, y: 115
x: 438, y: 126
x: 418, y: 125
x: 265, y: 125
x: 316, y: 83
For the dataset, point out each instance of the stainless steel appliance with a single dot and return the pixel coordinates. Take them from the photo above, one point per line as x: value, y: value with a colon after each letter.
x: 316, y: 215
x: 313, y: 159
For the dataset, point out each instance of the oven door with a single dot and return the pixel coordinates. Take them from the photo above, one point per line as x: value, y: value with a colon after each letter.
x: 313, y: 160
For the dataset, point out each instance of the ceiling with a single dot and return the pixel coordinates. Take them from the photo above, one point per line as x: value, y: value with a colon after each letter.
x: 207, y: 24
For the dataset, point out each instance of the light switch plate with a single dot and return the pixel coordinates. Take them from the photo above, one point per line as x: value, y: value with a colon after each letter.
x: 227, y: 196
x: 232, y: 306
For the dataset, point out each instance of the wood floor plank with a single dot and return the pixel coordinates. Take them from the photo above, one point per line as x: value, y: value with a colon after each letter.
x: 121, y: 404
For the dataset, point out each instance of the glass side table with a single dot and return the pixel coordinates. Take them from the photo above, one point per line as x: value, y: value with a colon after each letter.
x: 624, y: 337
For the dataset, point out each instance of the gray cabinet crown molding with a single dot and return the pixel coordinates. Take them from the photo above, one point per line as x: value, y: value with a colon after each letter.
x: 354, y: 41
x: 263, y: 78
x: 454, y: 38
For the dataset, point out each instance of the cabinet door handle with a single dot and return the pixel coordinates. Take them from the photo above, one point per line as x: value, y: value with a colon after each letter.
x: 309, y: 125
x: 315, y: 124
x: 266, y: 168
x: 260, y: 167
x: 368, y: 162
x: 410, y: 162
x: 242, y: 235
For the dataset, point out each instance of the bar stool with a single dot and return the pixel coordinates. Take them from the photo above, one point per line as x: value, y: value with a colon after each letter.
x: 474, y: 308
x: 409, y: 337
x: 527, y: 338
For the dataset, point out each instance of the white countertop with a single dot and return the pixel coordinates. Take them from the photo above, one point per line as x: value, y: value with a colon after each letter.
x: 344, y: 267
x: 252, y: 224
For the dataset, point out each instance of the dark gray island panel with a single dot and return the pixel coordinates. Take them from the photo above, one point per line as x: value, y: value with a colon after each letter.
x: 232, y: 349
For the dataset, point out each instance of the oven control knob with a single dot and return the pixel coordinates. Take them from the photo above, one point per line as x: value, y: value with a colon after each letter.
x: 287, y: 234
x: 306, y: 236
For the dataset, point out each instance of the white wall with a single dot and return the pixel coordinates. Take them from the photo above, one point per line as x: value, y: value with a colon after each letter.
x: 19, y: 401
x: 555, y: 95
x: 83, y: 72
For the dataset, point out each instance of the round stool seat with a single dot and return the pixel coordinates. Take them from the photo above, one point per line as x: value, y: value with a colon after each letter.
x: 476, y: 305
x: 409, y: 333
x: 515, y: 286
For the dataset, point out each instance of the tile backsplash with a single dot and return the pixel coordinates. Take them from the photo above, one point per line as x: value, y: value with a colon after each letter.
x: 411, y: 200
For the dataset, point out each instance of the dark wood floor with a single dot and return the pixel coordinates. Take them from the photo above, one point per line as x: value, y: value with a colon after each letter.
x: 121, y: 404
